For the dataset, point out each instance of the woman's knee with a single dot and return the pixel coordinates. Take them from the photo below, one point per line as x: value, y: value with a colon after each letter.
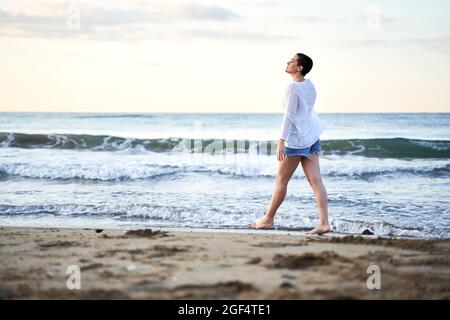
x: 282, y: 180
x: 314, y: 180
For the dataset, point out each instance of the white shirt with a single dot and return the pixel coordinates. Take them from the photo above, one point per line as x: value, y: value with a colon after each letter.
x: 301, y: 125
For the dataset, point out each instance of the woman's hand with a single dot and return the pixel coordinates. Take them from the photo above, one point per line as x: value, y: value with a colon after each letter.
x: 280, y: 150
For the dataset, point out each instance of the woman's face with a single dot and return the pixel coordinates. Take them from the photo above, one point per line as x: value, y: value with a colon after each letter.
x: 292, y: 65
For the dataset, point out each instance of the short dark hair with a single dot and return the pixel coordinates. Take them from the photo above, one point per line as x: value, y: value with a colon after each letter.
x: 306, y: 62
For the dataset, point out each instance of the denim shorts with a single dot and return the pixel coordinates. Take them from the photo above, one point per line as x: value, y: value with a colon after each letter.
x: 304, y: 152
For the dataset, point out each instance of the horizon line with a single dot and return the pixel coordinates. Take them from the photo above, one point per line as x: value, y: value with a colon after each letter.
x: 194, y: 112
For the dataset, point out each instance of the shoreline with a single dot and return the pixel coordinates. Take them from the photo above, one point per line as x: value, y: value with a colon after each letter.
x: 282, y: 231
x: 164, y: 263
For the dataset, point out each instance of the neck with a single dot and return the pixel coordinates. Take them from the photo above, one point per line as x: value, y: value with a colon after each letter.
x: 298, y: 77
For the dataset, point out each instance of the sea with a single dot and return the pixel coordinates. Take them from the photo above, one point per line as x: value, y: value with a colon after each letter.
x: 385, y: 173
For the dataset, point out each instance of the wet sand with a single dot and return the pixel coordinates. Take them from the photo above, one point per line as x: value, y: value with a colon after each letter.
x: 170, y: 264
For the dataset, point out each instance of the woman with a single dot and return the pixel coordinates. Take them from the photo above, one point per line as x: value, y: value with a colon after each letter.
x: 299, y: 142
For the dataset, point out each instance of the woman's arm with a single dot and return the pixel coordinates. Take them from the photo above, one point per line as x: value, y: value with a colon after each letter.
x: 288, y: 120
x: 280, y: 150
x: 289, y: 113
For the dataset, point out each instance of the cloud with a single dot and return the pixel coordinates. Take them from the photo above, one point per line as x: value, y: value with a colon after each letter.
x: 100, y: 16
x: 235, y: 35
x: 102, y: 58
x: 440, y: 43
x: 310, y: 19
x: 197, y: 11
x: 105, y: 20
x: 348, y: 44
x: 22, y: 24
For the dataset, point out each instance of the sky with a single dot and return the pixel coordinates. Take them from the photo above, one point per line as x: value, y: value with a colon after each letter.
x: 222, y: 56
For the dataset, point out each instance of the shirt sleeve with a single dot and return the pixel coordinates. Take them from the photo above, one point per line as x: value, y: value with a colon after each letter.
x: 289, y: 113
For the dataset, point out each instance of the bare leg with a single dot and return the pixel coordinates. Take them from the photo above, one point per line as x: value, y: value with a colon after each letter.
x: 286, y: 169
x: 311, y: 169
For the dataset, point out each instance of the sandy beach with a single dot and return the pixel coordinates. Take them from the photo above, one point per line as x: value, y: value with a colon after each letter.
x: 166, y: 264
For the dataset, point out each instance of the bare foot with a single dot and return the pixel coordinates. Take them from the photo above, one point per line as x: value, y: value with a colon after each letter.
x: 320, y: 229
x: 262, y: 223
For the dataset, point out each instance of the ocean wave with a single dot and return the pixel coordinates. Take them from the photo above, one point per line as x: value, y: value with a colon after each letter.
x: 129, y: 171
x: 400, y: 148
x: 77, y: 172
x: 118, y: 115
x: 172, y: 215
